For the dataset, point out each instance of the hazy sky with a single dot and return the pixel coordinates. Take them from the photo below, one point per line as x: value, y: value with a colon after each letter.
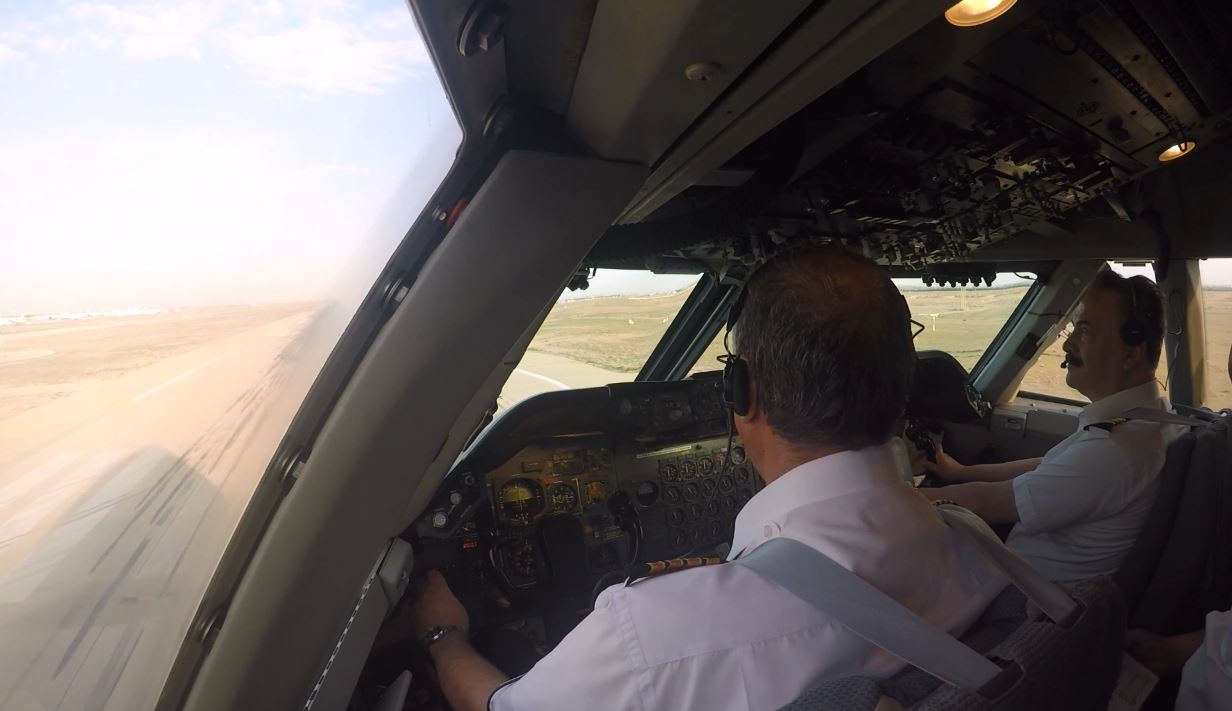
x: 178, y: 152
x: 610, y: 282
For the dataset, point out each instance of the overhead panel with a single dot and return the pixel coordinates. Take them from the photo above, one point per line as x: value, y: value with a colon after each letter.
x: 829, y: 44
x: 651, y: 68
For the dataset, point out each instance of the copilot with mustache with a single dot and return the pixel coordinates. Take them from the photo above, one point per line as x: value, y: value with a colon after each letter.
x: 1078, y: 510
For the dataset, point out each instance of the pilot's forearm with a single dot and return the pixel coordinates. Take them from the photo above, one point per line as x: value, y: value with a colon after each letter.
x: 1000, y: 471
x: 466, y: 678
x: 991, y: 501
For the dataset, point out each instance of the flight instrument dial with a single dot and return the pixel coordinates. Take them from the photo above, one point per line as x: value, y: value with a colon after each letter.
x: 520, y: 500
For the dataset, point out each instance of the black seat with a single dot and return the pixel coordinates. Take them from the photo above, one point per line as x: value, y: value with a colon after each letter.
x: 1057, y: 667
x: 1062, y: 652
x: 1180, y: 567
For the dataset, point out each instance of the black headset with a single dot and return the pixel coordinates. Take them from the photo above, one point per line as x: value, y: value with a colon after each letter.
x: 1134, y: 330
x: 735, y: 369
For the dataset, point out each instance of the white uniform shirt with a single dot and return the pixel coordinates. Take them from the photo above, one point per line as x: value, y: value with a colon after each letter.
x: 1206, y: 683
x: 1082, y: 508
x: 723, y: 637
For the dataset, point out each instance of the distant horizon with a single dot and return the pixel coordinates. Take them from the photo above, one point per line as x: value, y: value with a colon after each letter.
x: 69, y: 314
x: 671, y: 286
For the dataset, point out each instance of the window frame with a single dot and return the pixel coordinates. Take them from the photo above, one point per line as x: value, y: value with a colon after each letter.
x: 707, y: 316
x: 1016, y: 316
x: 1044, y: 397
x: 476, y: 157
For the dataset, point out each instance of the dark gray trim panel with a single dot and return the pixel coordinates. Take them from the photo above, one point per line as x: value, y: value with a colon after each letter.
x: 523, y: 234
x: 1185, y: 340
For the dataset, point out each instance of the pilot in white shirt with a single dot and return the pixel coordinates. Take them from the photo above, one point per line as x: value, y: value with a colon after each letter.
x: 1204, y: 658
x: 1206, y: 681
x: 1080, y: 508
x: 825, y: 348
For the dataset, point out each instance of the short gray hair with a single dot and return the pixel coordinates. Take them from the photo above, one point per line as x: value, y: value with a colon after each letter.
x: 827, y: 339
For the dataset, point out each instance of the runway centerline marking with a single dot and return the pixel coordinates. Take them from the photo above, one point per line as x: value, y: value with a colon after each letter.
x: 194, y: 369
x: 550, y: 381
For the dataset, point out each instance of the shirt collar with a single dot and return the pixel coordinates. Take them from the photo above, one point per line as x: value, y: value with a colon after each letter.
x: 1115, y: 405
x: 828, y: 477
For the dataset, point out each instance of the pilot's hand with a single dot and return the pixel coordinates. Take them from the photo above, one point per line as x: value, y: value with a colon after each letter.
x: 437, y: 606
x: 1162, y: 655
x: 946, y: 467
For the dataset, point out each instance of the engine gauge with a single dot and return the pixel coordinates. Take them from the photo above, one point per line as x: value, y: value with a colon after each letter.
x: 519, y: 500
x: 562, y: 497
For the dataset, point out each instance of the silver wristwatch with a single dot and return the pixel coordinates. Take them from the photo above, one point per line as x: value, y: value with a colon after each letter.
x: 437, y: 633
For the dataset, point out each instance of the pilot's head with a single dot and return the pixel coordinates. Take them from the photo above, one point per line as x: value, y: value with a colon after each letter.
x: 1117, y: 336
x: 827, y: 340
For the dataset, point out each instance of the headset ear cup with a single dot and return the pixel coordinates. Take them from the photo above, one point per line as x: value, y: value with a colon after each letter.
x: 1133, y: 331
x: 739, y: 383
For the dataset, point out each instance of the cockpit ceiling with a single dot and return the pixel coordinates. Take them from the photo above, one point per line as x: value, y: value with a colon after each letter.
x: 1048, y: 121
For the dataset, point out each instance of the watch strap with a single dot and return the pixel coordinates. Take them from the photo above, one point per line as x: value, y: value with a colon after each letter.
x: 437, y: 633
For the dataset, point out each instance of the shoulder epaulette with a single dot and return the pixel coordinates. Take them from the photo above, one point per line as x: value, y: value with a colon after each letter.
x: 662, y: 567
x: 1107, y: 425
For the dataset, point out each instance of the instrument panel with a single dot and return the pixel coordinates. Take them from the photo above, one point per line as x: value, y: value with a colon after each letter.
x: 573, y: 490
x: 570, y: 491
x: 630, y: 505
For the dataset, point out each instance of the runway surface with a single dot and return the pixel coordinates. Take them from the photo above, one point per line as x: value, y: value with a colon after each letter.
x: 118, y: 494
x: 116, y: 501
x: 545, y: 372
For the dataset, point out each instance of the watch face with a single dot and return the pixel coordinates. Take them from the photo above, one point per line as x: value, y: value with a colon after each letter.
x: 435, y: 634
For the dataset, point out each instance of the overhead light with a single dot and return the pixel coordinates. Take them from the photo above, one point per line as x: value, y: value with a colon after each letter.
x: 1183, y: 148
x: 970, y: 13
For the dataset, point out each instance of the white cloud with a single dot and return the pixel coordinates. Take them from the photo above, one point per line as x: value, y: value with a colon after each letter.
x: 8, y: 54
x: 148, y: 31
x: 324, y: 55
x: 53, y: 44
x: 322, y: 46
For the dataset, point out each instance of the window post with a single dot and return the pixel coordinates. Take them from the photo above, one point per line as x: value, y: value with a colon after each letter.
x: 1185, y: 340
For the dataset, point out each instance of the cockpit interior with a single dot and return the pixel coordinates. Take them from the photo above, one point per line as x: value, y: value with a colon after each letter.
x: 697, y: 139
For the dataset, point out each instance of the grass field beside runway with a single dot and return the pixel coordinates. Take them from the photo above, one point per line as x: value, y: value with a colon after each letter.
x: 617, y: 333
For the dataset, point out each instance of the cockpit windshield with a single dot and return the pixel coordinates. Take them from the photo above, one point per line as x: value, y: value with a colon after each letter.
x: 194, y: 199
x: 599, y: 335
x: 960, y: 320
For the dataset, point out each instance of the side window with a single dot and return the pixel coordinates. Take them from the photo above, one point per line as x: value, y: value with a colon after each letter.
x: 1047, y: 377
x: 709, y: 359
x: 1217, y: 303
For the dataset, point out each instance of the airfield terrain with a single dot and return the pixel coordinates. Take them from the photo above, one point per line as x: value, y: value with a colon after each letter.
x: 617, y: 333
x: 129, y: 447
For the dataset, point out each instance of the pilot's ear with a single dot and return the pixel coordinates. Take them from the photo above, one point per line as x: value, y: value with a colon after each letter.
x: 1135, y: 356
